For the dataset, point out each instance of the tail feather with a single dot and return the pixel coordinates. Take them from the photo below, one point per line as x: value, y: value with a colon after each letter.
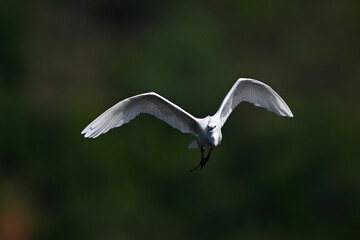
x: 194, y: 144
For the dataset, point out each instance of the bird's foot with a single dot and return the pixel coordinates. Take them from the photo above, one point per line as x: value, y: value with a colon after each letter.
x: 203, y: 161
x: 201, y: 165
x: 195, y: 168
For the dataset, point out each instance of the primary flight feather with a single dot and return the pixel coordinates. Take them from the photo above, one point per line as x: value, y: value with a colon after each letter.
x: 206, y: 130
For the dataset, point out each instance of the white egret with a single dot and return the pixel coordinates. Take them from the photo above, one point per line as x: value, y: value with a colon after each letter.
x: 207, y: 130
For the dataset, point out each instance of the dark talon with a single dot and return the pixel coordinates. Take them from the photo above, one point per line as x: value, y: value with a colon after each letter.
x: 203, y: 160
x: 195, y: 168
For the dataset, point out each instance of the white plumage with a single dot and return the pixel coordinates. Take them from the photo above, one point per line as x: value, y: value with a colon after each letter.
x: 150, y: 103
x: 206, y: 130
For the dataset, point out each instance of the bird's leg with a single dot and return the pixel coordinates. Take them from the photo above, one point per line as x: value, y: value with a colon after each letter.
x: 205, y: 160
x: 202, y: 158
x: 202, y: 153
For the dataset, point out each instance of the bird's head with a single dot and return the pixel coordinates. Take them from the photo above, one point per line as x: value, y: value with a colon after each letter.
x: 214, y: 131
x: 211, y: 127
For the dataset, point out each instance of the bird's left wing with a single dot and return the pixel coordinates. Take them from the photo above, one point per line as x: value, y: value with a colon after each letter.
x: 150, y: 103
x: 255, y: 92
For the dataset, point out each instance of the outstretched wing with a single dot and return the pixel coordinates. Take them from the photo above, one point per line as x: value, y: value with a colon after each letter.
x: 150, y: 103
x: 255, y: 92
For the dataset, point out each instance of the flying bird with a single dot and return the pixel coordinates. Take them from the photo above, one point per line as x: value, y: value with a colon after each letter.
x: 207, y: 130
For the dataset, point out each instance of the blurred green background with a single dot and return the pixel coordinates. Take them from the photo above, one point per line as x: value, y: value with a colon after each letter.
x: 62, y: 63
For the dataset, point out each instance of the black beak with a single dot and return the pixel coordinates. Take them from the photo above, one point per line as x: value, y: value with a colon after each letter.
x: 210, y: 129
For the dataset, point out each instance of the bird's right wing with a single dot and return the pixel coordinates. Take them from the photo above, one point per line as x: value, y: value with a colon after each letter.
x: 255, y: 92
x: 150, y: 103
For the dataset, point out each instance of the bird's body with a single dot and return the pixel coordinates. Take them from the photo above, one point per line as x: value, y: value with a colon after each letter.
x: 206, y: 130
x: 209, y: 133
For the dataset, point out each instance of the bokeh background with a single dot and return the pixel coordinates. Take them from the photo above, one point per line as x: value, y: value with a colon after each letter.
x: 62, y: 63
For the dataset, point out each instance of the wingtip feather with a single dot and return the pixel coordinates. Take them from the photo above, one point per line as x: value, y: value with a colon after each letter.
x: 288, y: 113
